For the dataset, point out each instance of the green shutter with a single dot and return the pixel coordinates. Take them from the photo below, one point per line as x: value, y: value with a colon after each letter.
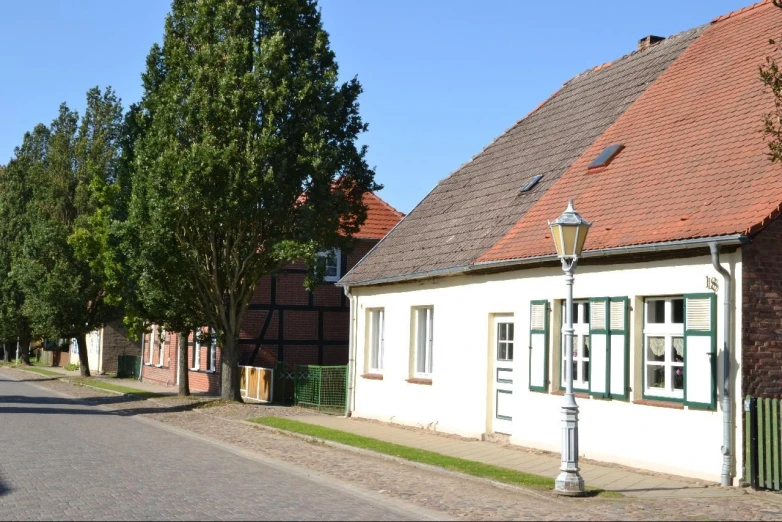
x: 700, y: 344
x: 619, y: 347
x: 599, y: 348
x: 538, y: 346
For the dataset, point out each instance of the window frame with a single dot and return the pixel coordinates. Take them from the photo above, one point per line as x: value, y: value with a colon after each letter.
x: 375, y: 343
x: 196, y: 350
x: 161, y: 347
x: 581, y: 332
x: 211, y: 355
x: 151, y: 358
x: 509, y: 341
x: 423, y: 314
x: 668, y: 330
x: 335, y: 255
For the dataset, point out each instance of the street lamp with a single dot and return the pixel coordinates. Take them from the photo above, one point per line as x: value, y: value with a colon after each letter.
x: 569, y: 232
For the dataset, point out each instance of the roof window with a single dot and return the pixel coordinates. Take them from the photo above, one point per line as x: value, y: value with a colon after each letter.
x: 530, y: 183
x: 607, y: 156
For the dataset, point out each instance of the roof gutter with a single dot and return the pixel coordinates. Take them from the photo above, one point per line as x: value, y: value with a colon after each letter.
x: 683, y: 244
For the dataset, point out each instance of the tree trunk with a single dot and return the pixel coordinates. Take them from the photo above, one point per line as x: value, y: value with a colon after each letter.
x: 84, y: 363
x: 24, y: 350
x: 7, y: 350
x: 184, y: 380
x: 230, y: 369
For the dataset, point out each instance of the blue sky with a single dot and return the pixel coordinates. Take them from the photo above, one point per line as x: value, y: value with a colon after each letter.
x: 441, y: 78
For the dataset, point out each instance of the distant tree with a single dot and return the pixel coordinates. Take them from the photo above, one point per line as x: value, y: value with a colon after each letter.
x: 249, y: 158
x: 16, y: 193
x: 66, y: 259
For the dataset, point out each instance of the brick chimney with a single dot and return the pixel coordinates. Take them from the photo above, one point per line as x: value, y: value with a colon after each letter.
x: 648, y: 41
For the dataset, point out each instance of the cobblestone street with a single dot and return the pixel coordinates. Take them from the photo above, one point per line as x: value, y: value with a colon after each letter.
x: 89, y: 457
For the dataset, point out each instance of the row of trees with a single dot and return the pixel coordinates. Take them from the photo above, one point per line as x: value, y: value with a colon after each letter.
x: 240, y: 157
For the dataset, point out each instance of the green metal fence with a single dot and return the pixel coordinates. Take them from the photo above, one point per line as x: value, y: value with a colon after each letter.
x: 321, y: 387
x: 763, y: 442
x: 128, y: 366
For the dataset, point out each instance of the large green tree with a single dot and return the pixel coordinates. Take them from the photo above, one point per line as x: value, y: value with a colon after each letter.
x: 65, y: 261
x: 17, y: 180
x: 249, y: 157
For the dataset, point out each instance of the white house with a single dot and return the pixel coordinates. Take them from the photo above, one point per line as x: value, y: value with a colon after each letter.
x: 456, y: 316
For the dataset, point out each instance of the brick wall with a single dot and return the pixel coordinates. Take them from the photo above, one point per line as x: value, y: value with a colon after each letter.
x: 116, y: 343
x: 761, y: 309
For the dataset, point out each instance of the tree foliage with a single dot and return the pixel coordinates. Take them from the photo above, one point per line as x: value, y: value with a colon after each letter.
x: 771, y: 76
x: 65, y: 264
x: 248, y: 155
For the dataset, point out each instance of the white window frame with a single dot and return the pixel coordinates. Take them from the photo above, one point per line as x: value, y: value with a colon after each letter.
x: 668, y: 330
x: 333, y: 260
x: 580, y: 340
x: 151, y: 345
x: 196, y: 350
x: 161, y: 347
x: 423, y: 341
x: 505, y: 342
x: 211, y: 356
x: 375, y: 339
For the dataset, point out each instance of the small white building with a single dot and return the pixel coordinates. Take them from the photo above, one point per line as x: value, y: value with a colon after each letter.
x: 457, y: 314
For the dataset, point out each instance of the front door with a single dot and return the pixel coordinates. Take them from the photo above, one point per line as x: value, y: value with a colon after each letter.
x: 503, y: 374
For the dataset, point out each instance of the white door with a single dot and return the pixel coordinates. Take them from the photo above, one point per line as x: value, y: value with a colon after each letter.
x: 502, y: 396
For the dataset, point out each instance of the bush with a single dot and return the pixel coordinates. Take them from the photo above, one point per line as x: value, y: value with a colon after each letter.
x: 72, y: 366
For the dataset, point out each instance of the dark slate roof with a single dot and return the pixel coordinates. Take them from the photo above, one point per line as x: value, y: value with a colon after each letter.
x: 470, y: 210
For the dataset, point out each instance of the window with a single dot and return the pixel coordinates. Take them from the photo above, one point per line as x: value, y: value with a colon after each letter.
x: 607, y: 156
x: 196, y: 349
x: 581, y: 346
x: 423, y: 341
x: 161, y: 346
x: 212, y: 355
x: 664, y: 347
x: 151, y: 344
x: 376, y: 325
x: 505, y: 341
x: 333, y: 270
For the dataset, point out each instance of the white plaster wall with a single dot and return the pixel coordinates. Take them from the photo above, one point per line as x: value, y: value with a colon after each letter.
x: 685, y: 442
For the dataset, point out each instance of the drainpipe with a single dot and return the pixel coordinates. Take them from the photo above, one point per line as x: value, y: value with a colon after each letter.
x: 726, y: 405
x: 352, y: 353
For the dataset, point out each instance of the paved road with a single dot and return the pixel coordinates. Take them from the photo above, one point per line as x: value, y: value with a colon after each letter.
x: 62, y: 459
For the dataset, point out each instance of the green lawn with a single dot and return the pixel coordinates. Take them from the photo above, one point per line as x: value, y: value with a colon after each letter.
x: 104, y: 385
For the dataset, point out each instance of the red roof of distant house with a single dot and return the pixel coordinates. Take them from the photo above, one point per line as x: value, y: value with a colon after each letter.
x: 381, y: 218
x: 694, y: 163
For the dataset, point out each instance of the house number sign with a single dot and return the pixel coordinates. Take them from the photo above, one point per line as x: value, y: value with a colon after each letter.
x: 711, y: 283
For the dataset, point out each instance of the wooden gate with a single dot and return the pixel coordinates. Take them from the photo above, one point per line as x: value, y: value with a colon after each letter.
x: 256, y: 384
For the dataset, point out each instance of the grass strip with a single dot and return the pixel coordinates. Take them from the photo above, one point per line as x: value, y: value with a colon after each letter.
x: 469, y: 467
x: 40, y: 371
x: 477, y: 469
x: 97, y: 383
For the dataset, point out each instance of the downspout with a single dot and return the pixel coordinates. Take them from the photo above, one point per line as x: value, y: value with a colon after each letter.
x: 352, y: 353
x: 726, y: 404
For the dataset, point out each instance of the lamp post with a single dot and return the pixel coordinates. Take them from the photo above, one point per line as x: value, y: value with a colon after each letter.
x: 569, y: 232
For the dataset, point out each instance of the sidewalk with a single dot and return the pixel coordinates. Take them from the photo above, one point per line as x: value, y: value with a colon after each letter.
x: 620, y: 479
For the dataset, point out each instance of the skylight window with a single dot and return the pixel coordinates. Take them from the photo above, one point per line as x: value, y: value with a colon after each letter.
x: 607, y: 156
x: 530, y: 183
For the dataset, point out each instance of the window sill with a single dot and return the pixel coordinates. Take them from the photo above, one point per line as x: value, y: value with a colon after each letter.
x: 147, y: 364
x: 158, y: 366
x: 419, y: 380
x: 576, y: 394
x: 373, y: 376
x: 659, y: 403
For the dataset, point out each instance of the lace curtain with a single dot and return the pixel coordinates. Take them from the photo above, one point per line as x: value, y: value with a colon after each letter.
x: 657, y: 346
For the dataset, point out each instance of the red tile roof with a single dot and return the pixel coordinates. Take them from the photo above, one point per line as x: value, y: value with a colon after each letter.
x: 695, y: 163
x: 381, y: 218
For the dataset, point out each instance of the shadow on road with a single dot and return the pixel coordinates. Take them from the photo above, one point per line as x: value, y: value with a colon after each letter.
x: 81, y: 406
x: 4, y: 489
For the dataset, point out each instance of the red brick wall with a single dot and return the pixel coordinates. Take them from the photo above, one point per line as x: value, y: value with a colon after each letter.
x: 761, y: 313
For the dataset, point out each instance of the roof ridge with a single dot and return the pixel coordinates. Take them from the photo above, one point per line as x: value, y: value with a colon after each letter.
x: 674, y: 36
x: 741, y: 11
x: 386, y: 203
